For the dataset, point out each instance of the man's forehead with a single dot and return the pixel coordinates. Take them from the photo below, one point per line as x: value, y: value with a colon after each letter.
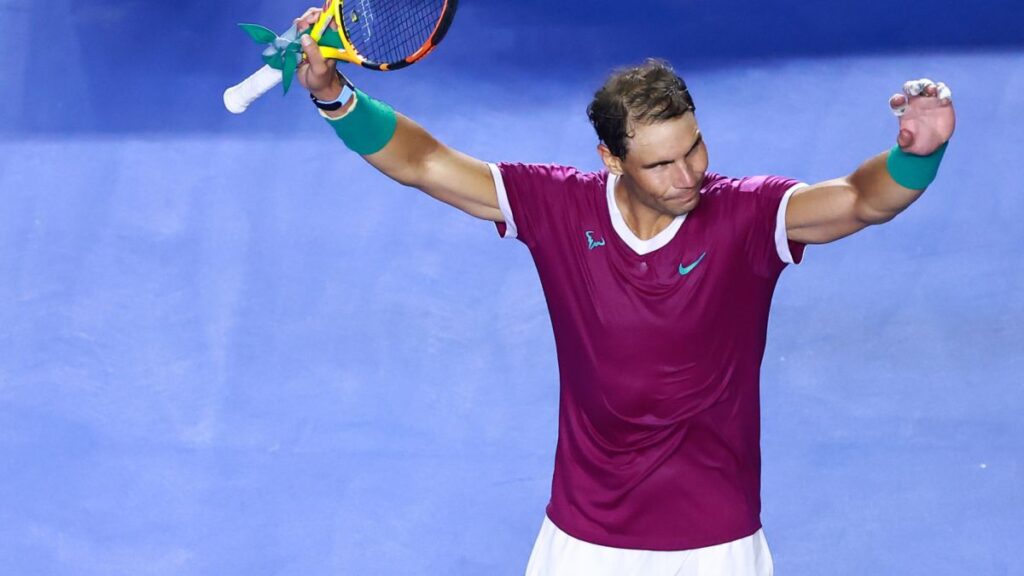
x: 679, y: 132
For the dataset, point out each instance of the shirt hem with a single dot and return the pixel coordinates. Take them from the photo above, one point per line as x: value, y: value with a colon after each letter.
x: 650, y: 543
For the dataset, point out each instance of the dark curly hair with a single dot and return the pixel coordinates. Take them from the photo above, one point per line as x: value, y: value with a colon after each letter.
x: 650, y: 92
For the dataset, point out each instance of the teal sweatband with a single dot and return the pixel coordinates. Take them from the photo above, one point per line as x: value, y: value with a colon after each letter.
x: 913, y: 171
x: 367, y: 127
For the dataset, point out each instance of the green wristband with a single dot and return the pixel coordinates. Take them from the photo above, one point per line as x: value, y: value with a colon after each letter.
x: 367, y: 127
x: 913, y: 171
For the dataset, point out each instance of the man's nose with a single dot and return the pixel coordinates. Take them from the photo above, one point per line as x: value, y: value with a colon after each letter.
x: 683, y: 177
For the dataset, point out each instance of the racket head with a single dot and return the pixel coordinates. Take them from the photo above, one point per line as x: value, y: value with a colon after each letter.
x: 389, y: 35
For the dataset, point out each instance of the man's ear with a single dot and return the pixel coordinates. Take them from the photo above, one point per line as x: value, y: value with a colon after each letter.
x: 612, y: 162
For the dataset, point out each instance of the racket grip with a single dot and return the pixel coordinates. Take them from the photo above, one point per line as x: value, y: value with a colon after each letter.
x: 238, y: 98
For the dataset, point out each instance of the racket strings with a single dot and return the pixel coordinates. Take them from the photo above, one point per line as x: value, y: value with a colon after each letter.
x: 389, y: 31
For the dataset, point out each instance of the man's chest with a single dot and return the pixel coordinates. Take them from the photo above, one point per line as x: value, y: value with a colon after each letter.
x: 599, y: 280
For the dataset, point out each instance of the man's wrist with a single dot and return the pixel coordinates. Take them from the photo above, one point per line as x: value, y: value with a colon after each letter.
x: 912, y: 171
x: 328, y: 94
x: 337, y: 95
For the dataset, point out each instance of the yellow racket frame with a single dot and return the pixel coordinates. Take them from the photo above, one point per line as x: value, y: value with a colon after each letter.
x: 332, y: 11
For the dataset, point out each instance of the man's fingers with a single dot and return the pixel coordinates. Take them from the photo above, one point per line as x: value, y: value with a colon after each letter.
x: 916, y: 87
x: 308, y: 19
x: 898, y: 104
x: 317, y: 64
x: 927, y: 88
x: 905, y: 138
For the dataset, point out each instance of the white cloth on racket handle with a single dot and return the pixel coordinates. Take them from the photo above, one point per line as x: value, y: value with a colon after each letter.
x: 239, y: 97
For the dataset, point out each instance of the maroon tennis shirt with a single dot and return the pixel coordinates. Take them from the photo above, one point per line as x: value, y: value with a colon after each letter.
x: 659, y: 347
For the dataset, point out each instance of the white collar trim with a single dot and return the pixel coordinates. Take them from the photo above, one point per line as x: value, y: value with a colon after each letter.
x: 639, y: 246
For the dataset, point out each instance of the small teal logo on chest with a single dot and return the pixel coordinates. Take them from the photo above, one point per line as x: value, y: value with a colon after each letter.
x: 684, y: 270
x: 591, y: 243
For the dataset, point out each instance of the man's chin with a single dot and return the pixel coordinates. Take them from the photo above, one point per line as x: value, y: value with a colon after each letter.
x: 683, y: 204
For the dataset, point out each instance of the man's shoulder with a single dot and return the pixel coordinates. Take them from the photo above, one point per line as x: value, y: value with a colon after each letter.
x: 714, y: 183
x: 718, y: 185
x: 554, y: 176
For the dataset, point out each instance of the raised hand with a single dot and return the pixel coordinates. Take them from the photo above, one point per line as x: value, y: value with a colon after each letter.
x: 927, y: 119
x: 316, y: 73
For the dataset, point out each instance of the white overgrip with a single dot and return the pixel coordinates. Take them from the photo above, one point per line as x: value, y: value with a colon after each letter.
x: 238, y: 98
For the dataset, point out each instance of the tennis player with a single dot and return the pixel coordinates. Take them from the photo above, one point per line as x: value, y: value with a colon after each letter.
x: 658, y: 276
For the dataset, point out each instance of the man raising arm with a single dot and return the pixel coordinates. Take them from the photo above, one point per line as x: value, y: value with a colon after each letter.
x: 872, y: 194
x: 658, y: 276
x: 411, y: 156
x: 817, y: 214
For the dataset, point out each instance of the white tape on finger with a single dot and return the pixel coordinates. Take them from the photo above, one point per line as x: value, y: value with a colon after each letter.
x: 915, y: 87
x: 901, y: 109
x: 944, y: 92
x: 238, y: 98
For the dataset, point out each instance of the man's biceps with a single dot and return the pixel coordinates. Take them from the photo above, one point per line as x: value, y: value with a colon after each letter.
x: 463, y: 182
x: 822, y: 213
x: 490, y: 194
x: 471, y: 179
x: 822, y: 202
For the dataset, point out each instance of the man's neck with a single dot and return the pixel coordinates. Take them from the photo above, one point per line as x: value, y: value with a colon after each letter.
x: 644, y: 221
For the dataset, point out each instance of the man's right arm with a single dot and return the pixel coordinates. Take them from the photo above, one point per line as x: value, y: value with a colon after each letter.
x: 415, y: 158
x: 412, y: 156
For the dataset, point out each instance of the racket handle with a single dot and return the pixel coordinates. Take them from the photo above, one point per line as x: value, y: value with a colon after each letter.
x: 240, y: 96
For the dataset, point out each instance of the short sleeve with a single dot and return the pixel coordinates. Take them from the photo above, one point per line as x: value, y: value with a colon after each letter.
x: 531, y: 198
x: 766, y: 197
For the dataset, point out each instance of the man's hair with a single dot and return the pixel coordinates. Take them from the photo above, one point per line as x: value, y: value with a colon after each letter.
x: 644, y: 94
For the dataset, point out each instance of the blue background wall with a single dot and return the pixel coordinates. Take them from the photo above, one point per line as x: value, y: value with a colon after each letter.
x: 227, y: 346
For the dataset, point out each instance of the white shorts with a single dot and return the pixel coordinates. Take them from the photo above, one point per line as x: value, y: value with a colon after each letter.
x: 558, y: 554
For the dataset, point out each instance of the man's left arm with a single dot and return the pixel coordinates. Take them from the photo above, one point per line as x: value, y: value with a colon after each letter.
x: 886, y: 184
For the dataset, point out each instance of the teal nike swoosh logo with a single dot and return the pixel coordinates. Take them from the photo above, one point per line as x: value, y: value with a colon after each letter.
x: 684, y: 270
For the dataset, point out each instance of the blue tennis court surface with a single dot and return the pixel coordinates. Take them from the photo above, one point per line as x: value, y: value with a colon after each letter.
x: 228, y: 346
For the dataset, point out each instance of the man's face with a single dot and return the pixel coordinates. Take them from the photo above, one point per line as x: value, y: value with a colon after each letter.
x: 664, y: 167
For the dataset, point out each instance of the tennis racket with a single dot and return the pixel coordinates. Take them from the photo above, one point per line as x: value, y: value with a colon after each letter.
x: 381, y: 35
